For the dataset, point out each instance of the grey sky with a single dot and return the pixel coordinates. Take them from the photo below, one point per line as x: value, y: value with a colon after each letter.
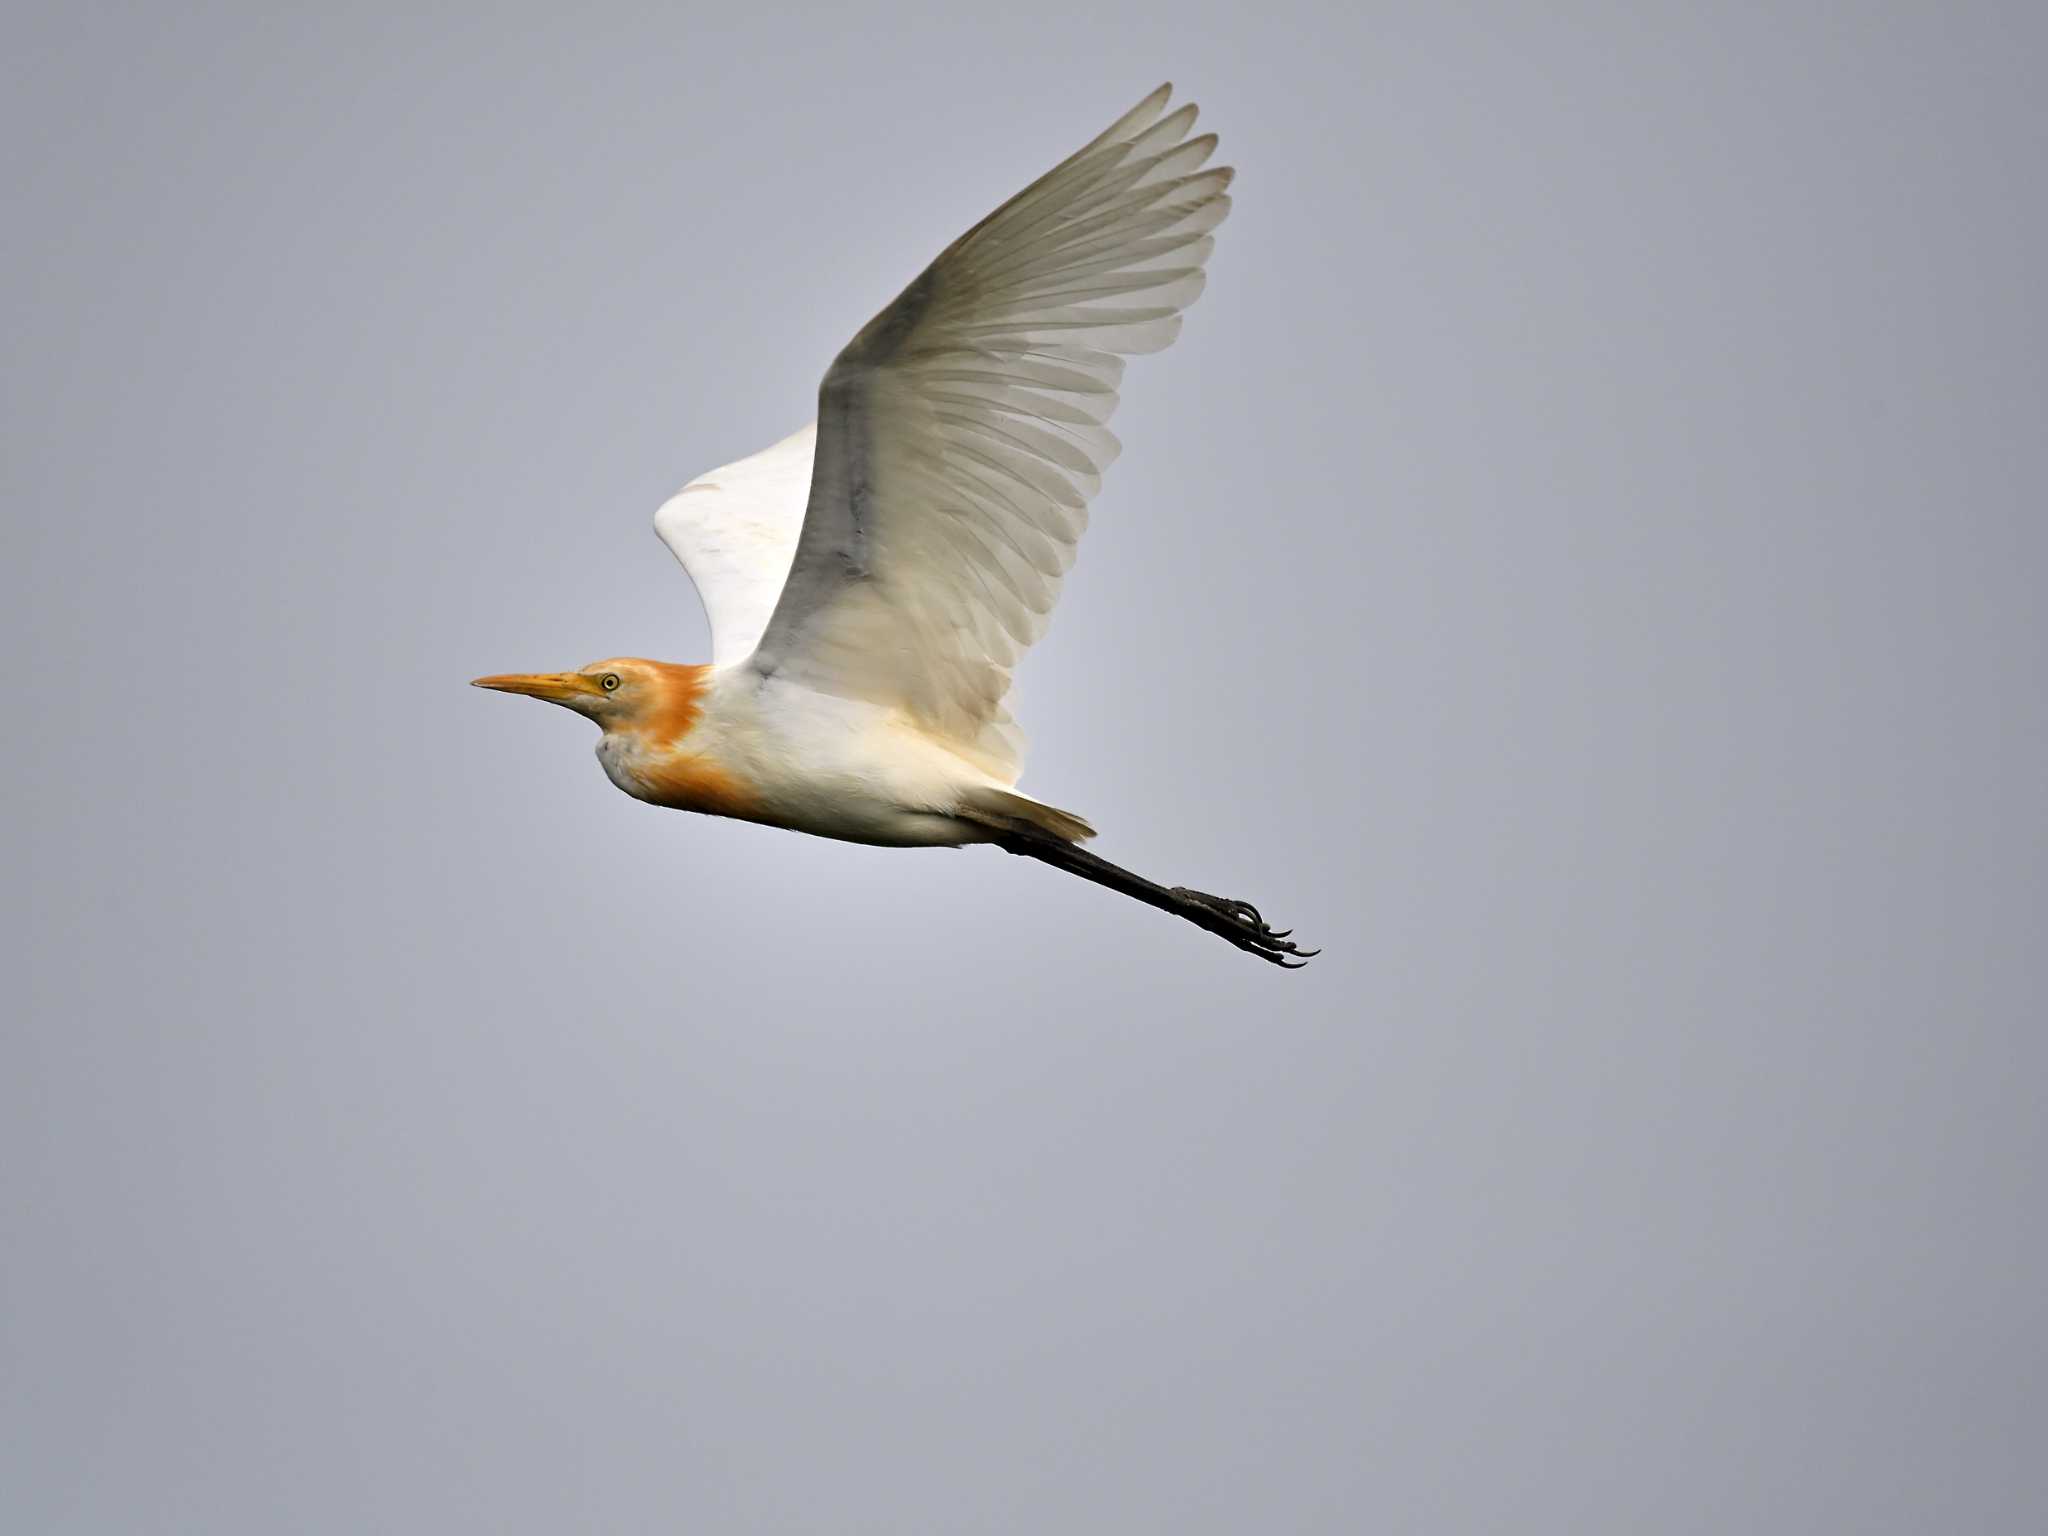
x: 1582, y: 564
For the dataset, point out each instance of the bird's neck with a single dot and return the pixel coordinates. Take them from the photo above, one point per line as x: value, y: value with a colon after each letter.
x: 661, y: 757
x: 673, y: 712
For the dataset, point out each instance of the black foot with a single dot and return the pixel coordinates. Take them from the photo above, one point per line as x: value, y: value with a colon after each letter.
x: 1239, y: 922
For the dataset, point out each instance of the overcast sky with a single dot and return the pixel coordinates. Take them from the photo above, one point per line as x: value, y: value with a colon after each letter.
x: 1582, y: 565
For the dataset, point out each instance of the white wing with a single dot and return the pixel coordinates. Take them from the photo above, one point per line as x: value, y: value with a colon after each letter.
x: 961, y: 433
x: 735, y: 530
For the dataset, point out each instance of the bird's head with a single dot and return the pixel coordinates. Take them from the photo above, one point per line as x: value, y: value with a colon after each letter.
x: 625, y: 693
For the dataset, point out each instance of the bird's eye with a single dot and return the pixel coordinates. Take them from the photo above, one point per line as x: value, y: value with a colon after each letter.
x: 610, y: 681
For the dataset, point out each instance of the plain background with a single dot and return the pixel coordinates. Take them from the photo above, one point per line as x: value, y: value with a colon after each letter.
x: 1582, y: 564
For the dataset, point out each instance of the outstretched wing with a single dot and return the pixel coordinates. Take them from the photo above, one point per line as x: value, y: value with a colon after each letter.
x: 735, y: 531
x: 962, y: 432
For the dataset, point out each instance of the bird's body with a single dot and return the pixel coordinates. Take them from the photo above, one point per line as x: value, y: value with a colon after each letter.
x: 871, y: 579
x: 725, y: 742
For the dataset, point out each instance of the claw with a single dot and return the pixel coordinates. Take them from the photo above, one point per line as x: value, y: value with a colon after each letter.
x: 1247, y: 929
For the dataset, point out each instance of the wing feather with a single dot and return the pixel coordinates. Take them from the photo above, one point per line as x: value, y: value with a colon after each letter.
x: 963, y: 432
x: 735, y: 531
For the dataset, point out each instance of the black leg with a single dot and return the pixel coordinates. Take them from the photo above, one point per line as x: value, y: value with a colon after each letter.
x: 1238, y: 922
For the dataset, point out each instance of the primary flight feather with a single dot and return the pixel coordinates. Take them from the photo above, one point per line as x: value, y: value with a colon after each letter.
x: 871, y: 579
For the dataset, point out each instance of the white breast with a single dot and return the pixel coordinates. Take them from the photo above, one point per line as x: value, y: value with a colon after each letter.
x: 830, y: 766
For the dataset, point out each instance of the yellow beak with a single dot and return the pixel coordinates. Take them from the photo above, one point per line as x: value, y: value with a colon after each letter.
x: 555, y: 687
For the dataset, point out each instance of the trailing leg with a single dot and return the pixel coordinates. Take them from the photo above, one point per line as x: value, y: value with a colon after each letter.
x: 1236, y: 921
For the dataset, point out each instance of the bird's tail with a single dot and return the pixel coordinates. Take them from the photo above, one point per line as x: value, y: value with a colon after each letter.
x: 1007, y: 811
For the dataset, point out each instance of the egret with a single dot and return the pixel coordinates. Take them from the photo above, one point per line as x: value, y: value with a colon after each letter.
x: 872, y: 579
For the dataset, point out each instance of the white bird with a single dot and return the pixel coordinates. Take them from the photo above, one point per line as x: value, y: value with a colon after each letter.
x: 872, y: 579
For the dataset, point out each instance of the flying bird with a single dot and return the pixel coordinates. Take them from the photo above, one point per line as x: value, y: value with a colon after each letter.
x: 871, y: 579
